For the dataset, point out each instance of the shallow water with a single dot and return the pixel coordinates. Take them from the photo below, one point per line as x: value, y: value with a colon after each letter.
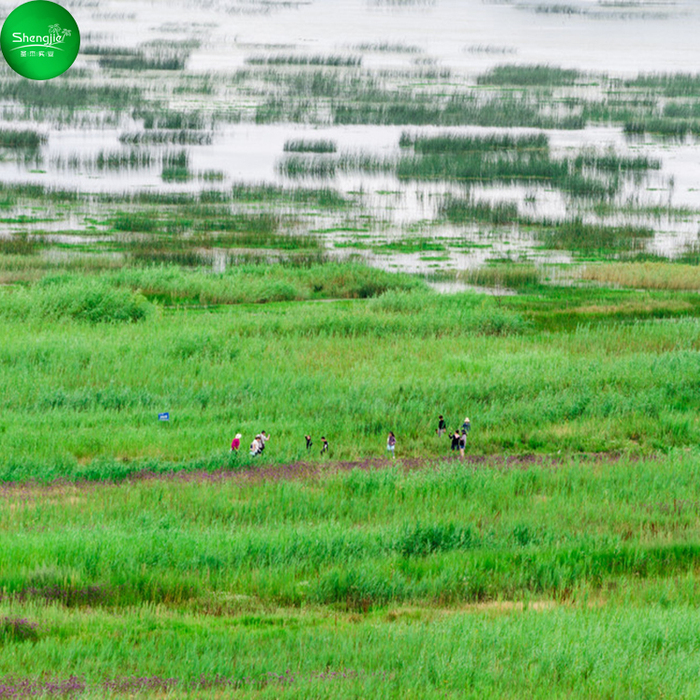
x: 465, y: 36
x: 469, y: 35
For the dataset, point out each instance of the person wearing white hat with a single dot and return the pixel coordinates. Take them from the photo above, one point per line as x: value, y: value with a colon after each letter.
x: 236, y: 443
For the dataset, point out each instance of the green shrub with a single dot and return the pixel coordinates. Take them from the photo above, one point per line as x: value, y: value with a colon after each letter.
x: 92, y: 301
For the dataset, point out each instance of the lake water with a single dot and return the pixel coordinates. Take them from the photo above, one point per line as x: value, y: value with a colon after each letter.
x: 465, y: 36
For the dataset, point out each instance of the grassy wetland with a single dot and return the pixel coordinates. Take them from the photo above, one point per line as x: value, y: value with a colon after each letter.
x: 341, y: 238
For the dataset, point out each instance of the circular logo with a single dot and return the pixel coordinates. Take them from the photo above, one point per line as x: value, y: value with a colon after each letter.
x: 40, y: 40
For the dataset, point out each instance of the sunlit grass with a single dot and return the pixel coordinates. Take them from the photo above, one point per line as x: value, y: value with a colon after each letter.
x: 645, y: 275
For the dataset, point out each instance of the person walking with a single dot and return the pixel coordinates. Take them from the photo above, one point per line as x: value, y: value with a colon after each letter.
x: 263, y: 439
x: 324, y: 444
x: 236, y: 443
x: 455, y: 440
x: 462, y: 443
x: 442, y: 426
x: 308, y: 442
x: 391, y: 444
x: 466, y: 426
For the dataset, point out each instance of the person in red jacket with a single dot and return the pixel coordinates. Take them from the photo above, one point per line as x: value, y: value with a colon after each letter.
x: 236, y: 443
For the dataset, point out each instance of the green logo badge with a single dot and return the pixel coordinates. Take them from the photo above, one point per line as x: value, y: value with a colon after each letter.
x: 40, y: 40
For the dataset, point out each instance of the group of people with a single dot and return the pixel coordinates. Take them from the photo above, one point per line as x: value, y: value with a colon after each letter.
x: 458, y: 440
x: 324, y: 444
x: 256, y: 447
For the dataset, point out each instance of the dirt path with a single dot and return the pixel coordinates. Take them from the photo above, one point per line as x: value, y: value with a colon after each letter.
x: 315, y: 470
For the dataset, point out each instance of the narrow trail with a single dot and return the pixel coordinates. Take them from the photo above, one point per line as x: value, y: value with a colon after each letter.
x: 307, y: 469
x: 304, y: 470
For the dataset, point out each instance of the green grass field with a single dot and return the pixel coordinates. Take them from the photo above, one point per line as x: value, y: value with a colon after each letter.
x: 140, y: 558
x: 90, y: 361
x: 558, y: 558
x: 558, y: 579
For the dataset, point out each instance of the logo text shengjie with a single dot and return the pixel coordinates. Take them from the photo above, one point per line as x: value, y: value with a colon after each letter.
x: 51, y: 40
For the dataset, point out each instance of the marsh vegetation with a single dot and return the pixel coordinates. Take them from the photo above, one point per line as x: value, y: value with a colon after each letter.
x: 257, y: 245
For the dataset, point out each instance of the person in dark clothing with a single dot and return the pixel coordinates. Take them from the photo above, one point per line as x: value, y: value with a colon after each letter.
x: 455, y: 440
x: 324, y: 442
x: 442, y: 426
x: 308, y: 442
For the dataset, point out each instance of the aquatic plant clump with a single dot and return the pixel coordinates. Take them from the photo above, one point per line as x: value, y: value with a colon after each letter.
x: 25, y: 138
x: 303, y: 60
x: 456, y: 143
x: 142, y: 62
x: 490, y: 158
x: 574, y: 234
x: 309, y: 146
x: 162, y: 136
x: 529, y: 75
x: 672, y: 84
